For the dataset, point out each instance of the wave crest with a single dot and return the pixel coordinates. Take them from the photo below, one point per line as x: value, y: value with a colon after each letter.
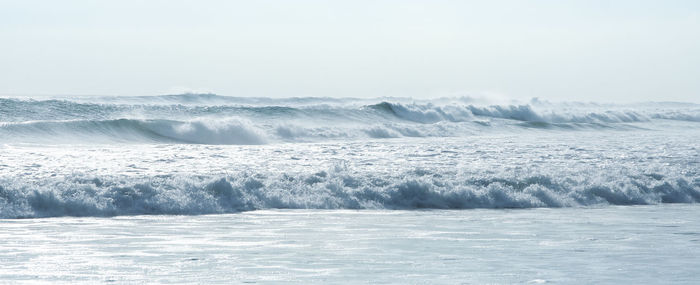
x: 526, y: 113
x: 336, y: 188
x: 214, y: 119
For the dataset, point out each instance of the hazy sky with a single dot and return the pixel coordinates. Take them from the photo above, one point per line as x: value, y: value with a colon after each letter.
x: 558, y: 50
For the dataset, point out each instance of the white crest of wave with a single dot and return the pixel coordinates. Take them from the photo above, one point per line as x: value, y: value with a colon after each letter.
x: 212, y: 131
x: 430, y: 113
x: 335, y: 188
x: 215, y: 119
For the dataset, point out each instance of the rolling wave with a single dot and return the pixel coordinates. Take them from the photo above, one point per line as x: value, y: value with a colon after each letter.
x: 526, y: 113
x: 214, y: 119
x: 333, y: 189
x: 229, y: 131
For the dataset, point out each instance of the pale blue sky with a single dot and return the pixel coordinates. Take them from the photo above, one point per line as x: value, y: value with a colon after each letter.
x: 558, y: 50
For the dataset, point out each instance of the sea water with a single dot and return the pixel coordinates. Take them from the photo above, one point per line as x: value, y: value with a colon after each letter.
x: 607, y: 245
x: 388, y: 190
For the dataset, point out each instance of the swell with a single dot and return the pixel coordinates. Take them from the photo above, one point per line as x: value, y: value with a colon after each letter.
x: 84, y: 195
x: 209, y: 99
x: 228, y: 131
x: 13, y: 110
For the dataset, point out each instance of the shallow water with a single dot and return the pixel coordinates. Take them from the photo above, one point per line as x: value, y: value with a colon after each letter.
x: 616, y: 244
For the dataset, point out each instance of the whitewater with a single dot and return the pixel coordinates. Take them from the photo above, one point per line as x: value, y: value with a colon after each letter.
x: 201, y: 154
x: 371, y: 190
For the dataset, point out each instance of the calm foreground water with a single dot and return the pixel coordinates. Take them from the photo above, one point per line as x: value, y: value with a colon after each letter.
x: 617, y: 244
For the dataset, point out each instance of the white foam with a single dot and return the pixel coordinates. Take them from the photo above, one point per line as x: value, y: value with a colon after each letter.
x: 332, y: 189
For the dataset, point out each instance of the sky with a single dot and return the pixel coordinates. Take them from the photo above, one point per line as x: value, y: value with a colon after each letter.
x: 591, y: 50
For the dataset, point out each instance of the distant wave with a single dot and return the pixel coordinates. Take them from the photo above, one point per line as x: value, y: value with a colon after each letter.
x: 83, y: 195
x: 209, y: 99
x: 214, y: 119
x: 431, y: 114
x: 229, y: 131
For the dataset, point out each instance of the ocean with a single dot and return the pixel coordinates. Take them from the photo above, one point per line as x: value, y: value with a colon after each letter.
x: 202, y: 188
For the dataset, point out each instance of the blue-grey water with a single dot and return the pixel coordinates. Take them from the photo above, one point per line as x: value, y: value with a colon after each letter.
x: 207, y: 188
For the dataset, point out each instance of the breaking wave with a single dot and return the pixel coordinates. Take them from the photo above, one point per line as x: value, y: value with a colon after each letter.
x: 83, y: 195
x: 214, y: 119
x: 526, y: 113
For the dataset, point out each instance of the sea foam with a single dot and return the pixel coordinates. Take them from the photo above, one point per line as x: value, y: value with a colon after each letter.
x: 333, y: 189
